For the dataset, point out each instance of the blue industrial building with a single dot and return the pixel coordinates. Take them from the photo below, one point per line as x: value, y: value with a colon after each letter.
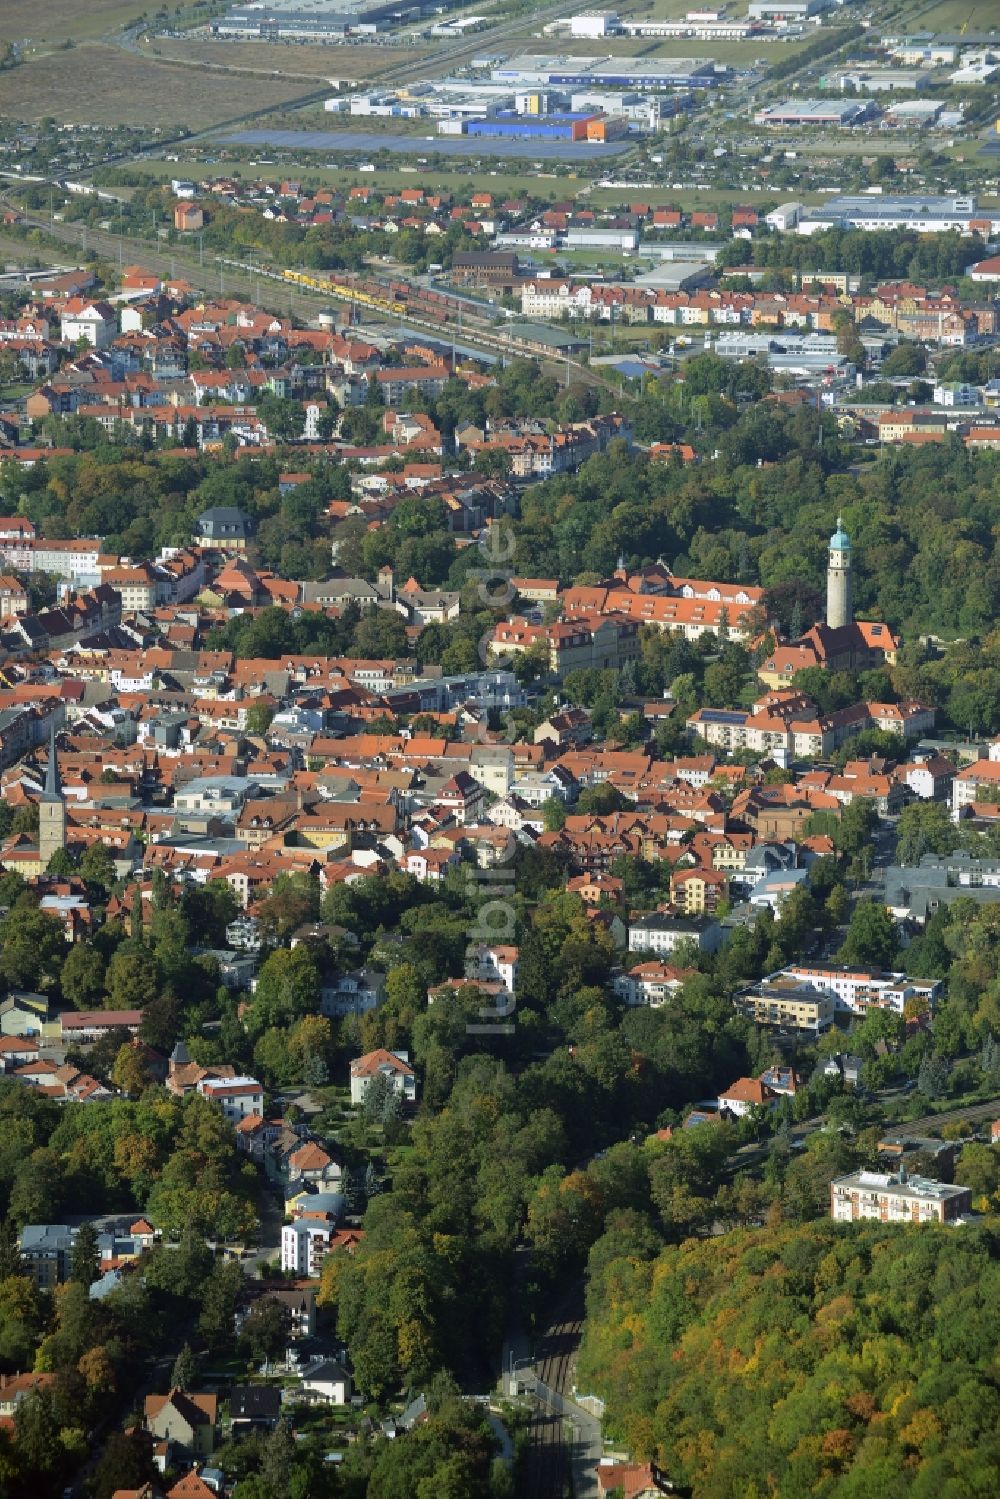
x: 561, y: 127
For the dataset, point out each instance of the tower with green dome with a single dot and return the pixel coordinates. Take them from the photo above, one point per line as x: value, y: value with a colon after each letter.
x: 839, y: 605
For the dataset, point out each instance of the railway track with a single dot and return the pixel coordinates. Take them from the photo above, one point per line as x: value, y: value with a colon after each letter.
x: 973, y: 1112
x: 548, y: 1470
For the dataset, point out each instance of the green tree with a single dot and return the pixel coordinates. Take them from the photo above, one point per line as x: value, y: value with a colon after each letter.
x: 924, y: 827
x: 265, y: 1333
x: 554, y: 814
x: 133, y: 977
x: 185, y: 1371
x: 259, y: 718
x: 62, y: 862
x: 33, y: 950
x: 37, y: 1438
x: 934, y: 1077
x: 85, y: 1264
x: 287, y: 988
x: 97, y: 867
x: 218, y: 1303
x: 82, y: 976
x: 124, y: 1464
x: 872, y: 938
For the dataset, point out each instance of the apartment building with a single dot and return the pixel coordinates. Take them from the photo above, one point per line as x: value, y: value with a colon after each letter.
x: 238, y: 1097
x: 978, y: 782
x: 304, y: 1245
x: 660, y: 933
x: 897, y: 1198
x: 47, y: 1251
x: 856, y: 991
x: 785, y: 1004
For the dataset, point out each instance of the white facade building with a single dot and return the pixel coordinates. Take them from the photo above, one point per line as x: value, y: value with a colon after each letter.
x: 856, y: 991
x: 237, y: 1096
x: 303, y: 1247
x: 898, y: 1198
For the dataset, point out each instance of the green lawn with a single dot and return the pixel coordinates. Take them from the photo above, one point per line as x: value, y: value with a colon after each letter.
x: 453, y: 180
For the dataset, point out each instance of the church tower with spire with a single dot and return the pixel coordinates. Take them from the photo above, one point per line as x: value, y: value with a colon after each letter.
x: 839, y: 603
x: 51, y: 809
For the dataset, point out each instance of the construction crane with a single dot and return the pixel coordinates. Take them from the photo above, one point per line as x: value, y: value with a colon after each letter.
x: 968, y: 22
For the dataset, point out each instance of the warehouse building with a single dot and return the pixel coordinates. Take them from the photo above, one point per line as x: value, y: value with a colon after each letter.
x: 912, y: 114
x: 553, y: 127
x: 837, y: 113
x: 601, y: 239
x: 305, y: 20
x: 594, y: 24
x: 610, y: 72
x: 786, y: 10
x: 927, y: 214
x: 877, y: 80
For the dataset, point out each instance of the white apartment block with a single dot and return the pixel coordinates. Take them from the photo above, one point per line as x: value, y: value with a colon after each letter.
x: 856, y: 991
x: 237, y: 1096
x: 896, y: 1199
x: 985, y: 773
x: 660, y: 934
x: 303, y: 1247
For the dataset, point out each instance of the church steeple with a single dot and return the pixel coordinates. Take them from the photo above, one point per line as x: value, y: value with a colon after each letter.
x: 51, y: 808
x: 53, y: 786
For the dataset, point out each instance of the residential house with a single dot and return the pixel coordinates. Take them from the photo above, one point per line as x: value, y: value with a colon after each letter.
x: 651, y: 983
x: 17, y: 1387
x: 326, y: 1380
x: 745, y: 1094
x: 224, y: 528
x: 391, y: 1065
x: 299, y: 1301
x: 352, y: 993
x: 631, y: 1480
x: 784, y: 1003
x: 188, y: 1419
x: 304, y: 1246
x: 254, y: 1407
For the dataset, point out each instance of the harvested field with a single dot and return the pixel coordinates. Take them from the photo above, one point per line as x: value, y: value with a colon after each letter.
x: 105, y: 86
x: 47, y: 23
x: 352, y: 63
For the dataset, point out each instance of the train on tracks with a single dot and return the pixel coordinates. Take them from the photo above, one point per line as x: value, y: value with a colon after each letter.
x: 392, y: 298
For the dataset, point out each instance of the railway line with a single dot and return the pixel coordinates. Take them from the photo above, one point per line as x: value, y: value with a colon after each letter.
x: 549, y: 1474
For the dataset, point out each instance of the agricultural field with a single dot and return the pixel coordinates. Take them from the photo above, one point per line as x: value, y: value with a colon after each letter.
x: 49, y: 23
x: 106, y: 86
x: 350, y: 64
x: 951, y: 16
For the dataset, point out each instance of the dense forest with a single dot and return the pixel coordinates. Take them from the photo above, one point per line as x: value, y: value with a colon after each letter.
x: 815, y: 1360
